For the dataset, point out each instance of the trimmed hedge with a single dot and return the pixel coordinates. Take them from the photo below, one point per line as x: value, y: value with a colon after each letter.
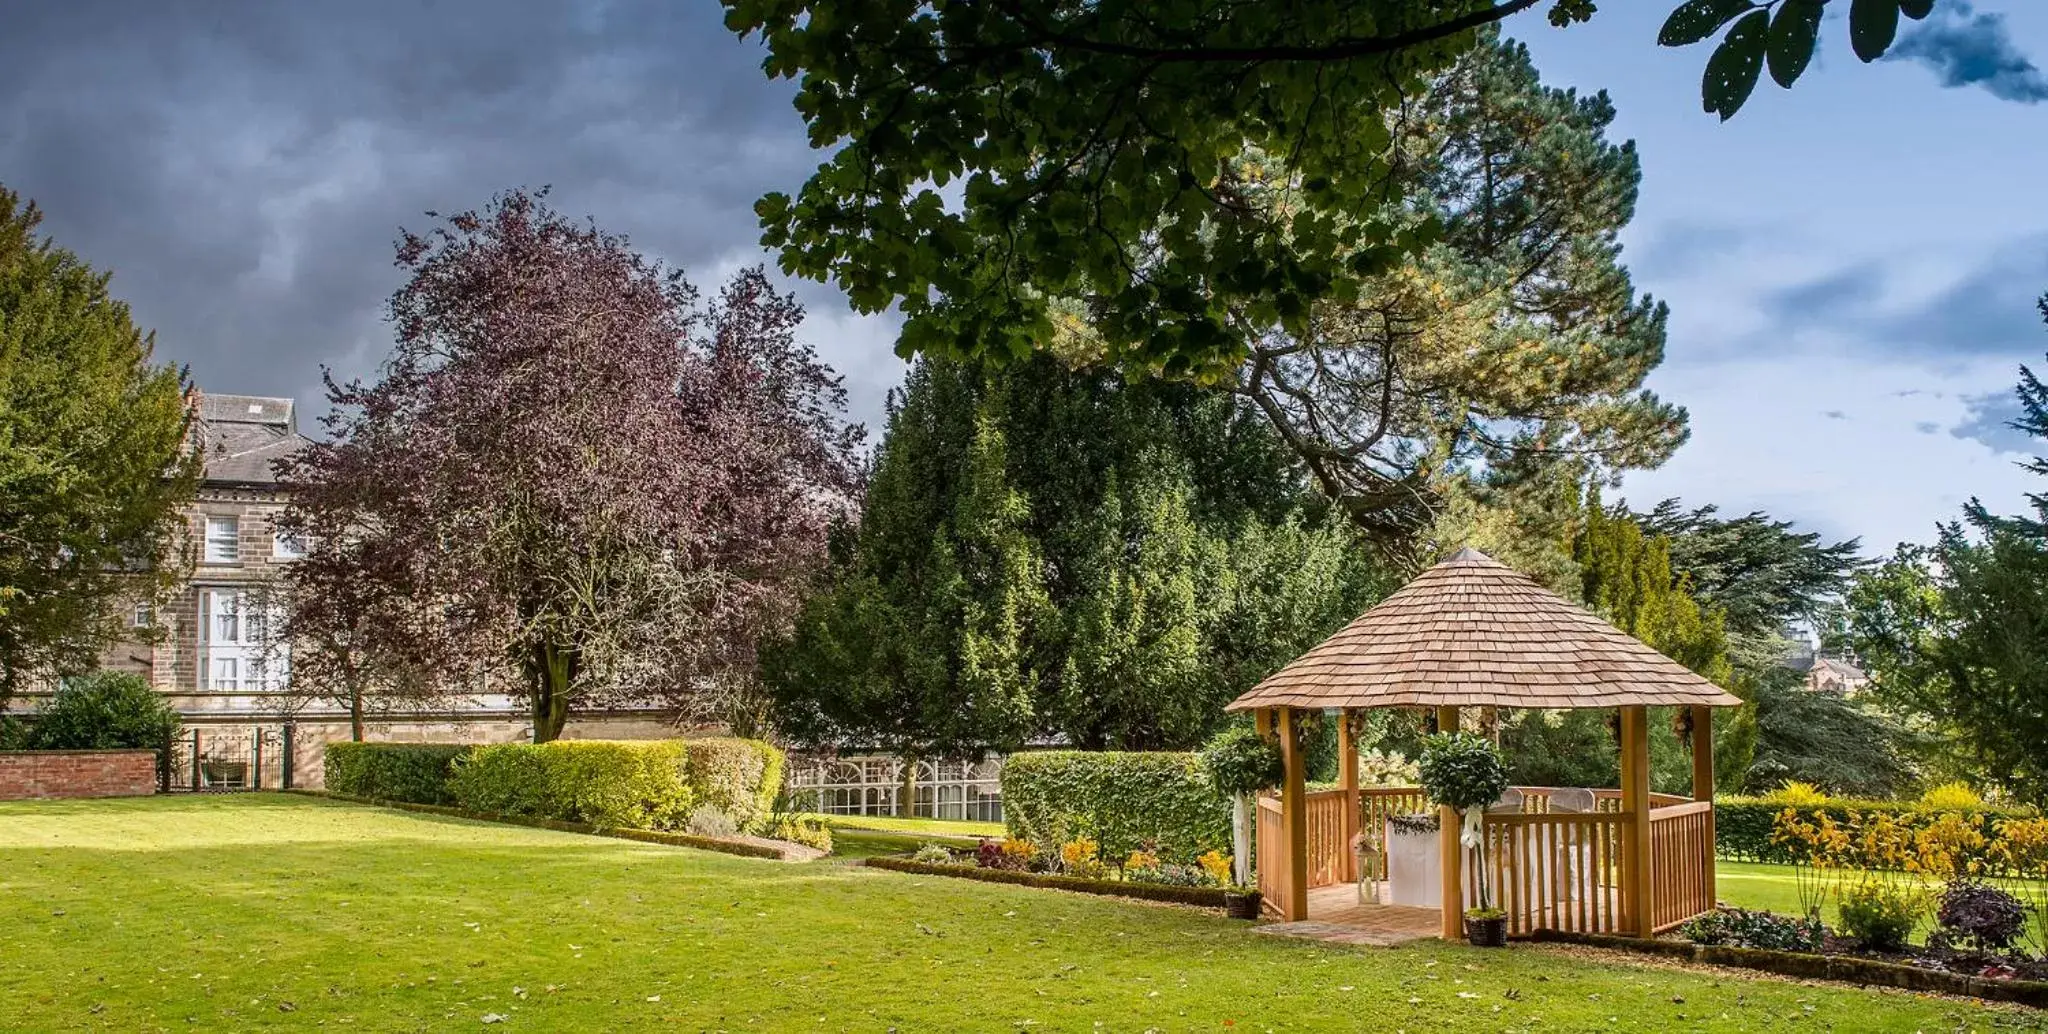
x: 1122, y: 800
x: 415, y: 772
x: 1207, y: 897
x: 1742, y: 825
x: 606, y: 783
x: 738, y: 777
x: 637, y: 784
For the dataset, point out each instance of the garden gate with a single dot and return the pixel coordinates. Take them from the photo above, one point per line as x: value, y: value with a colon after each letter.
x: 218, y: 759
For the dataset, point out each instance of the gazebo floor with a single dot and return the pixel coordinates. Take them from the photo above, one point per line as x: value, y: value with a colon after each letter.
x: 1335, y: 915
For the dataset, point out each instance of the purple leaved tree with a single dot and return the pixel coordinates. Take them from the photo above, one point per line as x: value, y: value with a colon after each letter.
x: 574, y: 474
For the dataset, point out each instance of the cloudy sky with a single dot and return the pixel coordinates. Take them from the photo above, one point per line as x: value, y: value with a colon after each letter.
x: 1851, y: 265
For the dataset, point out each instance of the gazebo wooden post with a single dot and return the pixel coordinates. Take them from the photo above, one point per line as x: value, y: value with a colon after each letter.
x: 1450, y: 850
x: 1702, y: 753
x: 1347, y: 781
x: 1293, y: 819
x: 1636, y: 885
x: 1703, y: 785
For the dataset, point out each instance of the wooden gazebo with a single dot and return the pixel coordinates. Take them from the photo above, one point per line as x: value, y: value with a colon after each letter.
x: 1471, y: 632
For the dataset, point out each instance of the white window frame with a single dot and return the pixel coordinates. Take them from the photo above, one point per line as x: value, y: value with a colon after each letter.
x: 233, y: 653
x: 223, y: 548
x: 142, y: 616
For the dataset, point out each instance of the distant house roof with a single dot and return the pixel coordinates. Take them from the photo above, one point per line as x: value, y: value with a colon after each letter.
x: 1839, y: 667
x: 244, y: 435
x: 1471, y: 630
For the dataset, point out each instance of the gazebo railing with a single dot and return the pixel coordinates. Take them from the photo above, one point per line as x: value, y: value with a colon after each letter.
x: 1681, y: 863
x: 1554, y: 871
x: 1547, y: 869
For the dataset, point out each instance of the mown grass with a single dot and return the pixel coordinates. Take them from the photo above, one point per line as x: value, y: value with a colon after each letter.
x: 259, y: 912
x: 925, y: 827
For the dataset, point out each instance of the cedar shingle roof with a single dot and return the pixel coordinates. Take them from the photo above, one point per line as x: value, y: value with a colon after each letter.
x: 1472, y: 631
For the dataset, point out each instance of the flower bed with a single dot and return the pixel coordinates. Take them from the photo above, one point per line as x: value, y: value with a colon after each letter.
x: 1207, y: 897
x: 1076, y: 865
x: 1850, y: 968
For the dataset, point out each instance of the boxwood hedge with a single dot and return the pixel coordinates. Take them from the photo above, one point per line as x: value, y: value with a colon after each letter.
x: 1121, y: 800
x: 415, y: 772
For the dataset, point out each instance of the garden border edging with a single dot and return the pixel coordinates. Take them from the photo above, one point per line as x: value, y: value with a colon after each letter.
x: 750, y: 847
x: 1821, y: 967
x: 1202, y: 897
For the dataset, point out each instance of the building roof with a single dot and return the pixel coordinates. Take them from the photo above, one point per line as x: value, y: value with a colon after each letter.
x: 243, y: 435
x: 1473, y: 632
x: 1838, y: 666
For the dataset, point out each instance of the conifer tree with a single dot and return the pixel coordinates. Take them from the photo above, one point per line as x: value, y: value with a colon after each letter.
x: 94, y: 467
x: 1105, y: 563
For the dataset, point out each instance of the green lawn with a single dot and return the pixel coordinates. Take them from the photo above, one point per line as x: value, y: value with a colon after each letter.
x: 259, y: 912
x: 926, y: 827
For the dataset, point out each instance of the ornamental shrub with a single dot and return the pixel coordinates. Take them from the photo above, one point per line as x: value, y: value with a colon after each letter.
x: 1124, y: 801
x: 1240, y: 761
x: 1743, y: 825
x: 1008, y: 853
x: 1794, y: 794
x: 416, y: 773
x: 1956, y: 796
x: 1981, y: 916
x: 933, y: 854
x: 1744, y: 928
x: 1168, y: 874
x: 616, y: 783
x: 1462, y: 770
x: 706, y: 820
x: 798, y: 829
x: 106, y: 710
x: 1881, y: 913
x: 740, y: 777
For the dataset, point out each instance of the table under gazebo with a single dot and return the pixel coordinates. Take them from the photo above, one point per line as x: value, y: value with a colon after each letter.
x: 1473, y: 633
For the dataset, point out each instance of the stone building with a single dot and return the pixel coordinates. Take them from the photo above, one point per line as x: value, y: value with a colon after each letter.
x: 214, y: 658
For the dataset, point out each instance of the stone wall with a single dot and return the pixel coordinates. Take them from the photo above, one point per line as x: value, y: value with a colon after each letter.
x: 31, y: 774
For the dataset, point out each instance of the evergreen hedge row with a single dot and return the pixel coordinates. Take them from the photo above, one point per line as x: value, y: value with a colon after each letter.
x: 415, y: 772
x: 1743, y: 825
x: 618, y: 784
x: 1121, y: 800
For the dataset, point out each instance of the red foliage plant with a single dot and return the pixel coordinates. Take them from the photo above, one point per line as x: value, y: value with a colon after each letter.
x: 573, y: 476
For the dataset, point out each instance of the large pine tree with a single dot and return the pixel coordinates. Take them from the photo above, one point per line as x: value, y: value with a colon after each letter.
x: 1049, y: 552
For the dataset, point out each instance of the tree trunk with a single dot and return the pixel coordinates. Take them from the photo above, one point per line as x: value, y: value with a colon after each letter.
x: 1241, y: 839
x: 906, y: 791
x: 554, y: 668
x: 355, y: 715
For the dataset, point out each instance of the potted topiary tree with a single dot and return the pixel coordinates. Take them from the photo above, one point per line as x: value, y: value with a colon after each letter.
x: 1240, y: 763
x: 1464, y: 772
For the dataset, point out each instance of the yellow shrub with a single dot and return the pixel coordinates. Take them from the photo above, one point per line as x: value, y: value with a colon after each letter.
x: 1797, y: 795
x: 1142, y: 860
x: 1217, y: 865
x: 1955, y: 796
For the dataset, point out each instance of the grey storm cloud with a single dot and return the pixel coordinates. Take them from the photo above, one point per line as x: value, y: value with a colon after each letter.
x: 1989, y: 311
x: 1967, y: 47
x: 1990, y: 422
x: 243, y: 166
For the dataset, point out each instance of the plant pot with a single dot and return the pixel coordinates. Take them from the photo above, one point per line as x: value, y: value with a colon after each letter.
x: 1489, y: 932
x: 1241, y: 906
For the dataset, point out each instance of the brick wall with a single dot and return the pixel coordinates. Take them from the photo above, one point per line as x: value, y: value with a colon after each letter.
x: 29, y: 774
